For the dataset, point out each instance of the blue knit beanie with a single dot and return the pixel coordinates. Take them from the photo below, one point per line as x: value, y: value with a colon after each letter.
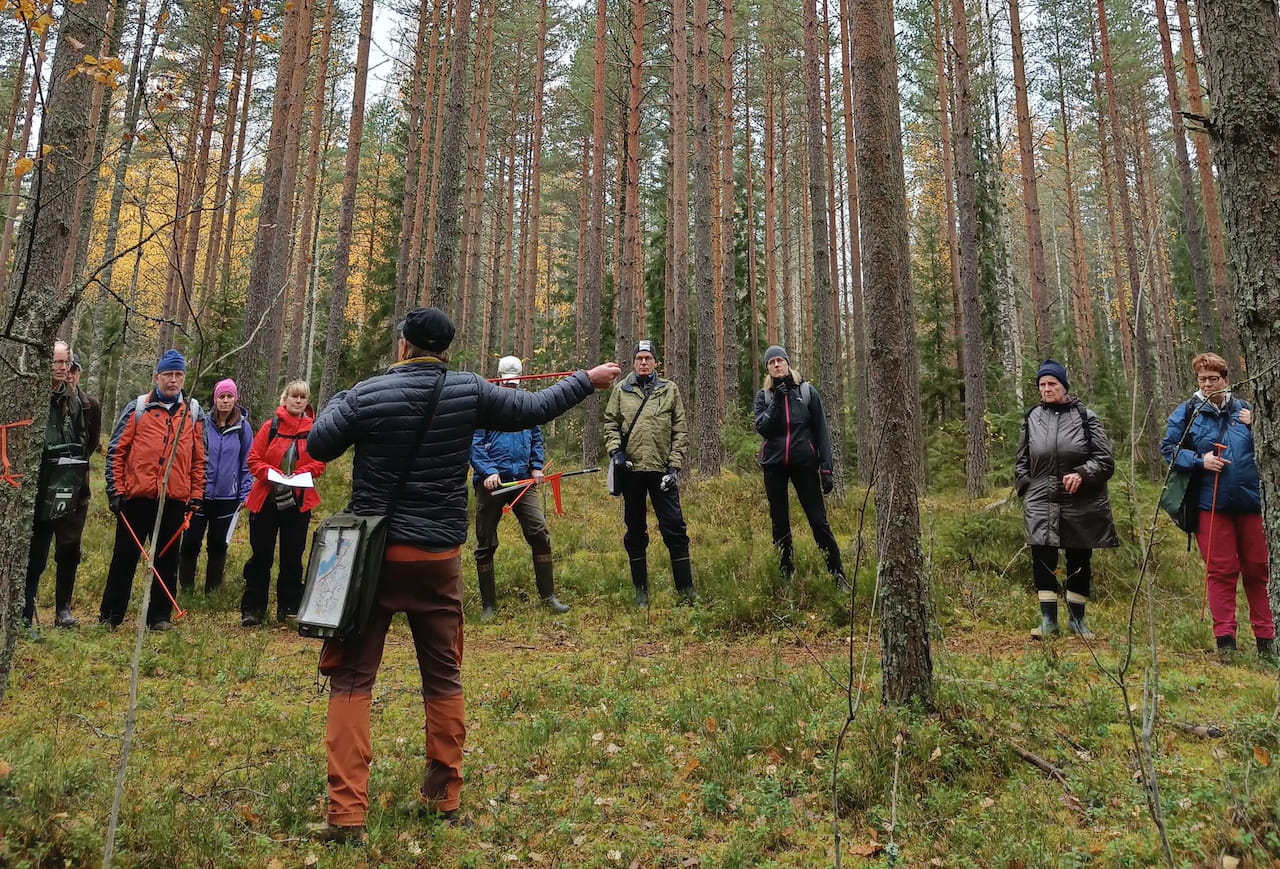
x: 171, y: 360
x: 1056, y: 370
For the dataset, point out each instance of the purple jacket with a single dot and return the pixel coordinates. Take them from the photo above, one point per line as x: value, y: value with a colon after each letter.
x: 226, y: 475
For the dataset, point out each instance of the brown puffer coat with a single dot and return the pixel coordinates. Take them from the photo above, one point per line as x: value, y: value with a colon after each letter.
x: 1054, y: 443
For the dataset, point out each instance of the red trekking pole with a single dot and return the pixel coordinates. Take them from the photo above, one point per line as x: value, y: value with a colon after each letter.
x: 1208, y: 546
x: 178, y: 612
x: 186, y: 523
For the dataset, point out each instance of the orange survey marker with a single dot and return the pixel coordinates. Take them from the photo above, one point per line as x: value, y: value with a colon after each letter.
x: 9, y: 476
x: 553, y: 480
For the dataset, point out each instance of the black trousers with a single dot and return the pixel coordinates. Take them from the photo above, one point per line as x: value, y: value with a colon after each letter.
x: 265, y: 527
x: 140, y: 514
x: 67, y: 531
x: 636, y: 486
x: 808, y: 486
x: 213, y: 518
x: 1044, y: 563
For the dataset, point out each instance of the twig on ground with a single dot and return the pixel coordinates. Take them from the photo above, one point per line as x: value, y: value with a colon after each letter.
x: 1204, y: 731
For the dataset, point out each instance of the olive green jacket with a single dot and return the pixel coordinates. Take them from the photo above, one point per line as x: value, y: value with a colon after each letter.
x: 660, y: 439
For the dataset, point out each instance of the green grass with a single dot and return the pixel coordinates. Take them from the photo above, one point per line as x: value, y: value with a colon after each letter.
x: 616, y: 737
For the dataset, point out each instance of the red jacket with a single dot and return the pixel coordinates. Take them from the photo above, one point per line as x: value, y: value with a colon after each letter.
x: 140, y: 447
x: 267, y: 453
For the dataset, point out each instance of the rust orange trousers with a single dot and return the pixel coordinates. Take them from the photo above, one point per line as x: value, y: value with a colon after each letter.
x: 427, y: 588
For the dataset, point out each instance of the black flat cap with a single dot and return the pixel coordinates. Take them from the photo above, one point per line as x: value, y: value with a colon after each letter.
x: 428, y: 328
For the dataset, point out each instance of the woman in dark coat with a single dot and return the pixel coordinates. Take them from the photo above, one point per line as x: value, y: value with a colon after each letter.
x: 1063, y: 464
x: 796, y: 450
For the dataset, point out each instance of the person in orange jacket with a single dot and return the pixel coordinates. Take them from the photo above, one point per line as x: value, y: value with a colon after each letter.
x: 138, y: 457
x: 277, y: 510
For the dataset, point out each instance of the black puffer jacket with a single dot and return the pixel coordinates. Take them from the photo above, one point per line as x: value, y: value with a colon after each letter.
x: 380, y: 417
x: 1054, y: 443
x: 794, y: 427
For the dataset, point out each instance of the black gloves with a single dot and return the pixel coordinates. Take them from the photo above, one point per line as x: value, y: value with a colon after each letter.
x: 668, y: 480
x: 828, y: 482
x: 619, y: 459
x: 115, y: 502
x: 194, y: 505
x: 782, y: 387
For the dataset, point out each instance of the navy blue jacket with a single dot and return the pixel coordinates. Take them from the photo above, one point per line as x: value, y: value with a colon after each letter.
x: 1239, y: 488
x: 380, y: 416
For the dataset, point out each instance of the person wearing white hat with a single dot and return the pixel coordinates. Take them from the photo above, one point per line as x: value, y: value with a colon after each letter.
x: 499, y: 457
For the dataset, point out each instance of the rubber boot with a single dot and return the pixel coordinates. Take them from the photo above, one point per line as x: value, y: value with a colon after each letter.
x: 682, y: 573
x: 1048, y: 620
x: 1075, y: 623
x: 213, y: 571
x: 1226, y: 648
x: 488, y: 592
x: 640, y: 578
x: 66, y: 583
x: 187, y: 572
x: 1266, y: 650
x: 543, y: 575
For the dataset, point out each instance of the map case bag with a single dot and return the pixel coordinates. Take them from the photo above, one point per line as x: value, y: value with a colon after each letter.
x: 347, y: 551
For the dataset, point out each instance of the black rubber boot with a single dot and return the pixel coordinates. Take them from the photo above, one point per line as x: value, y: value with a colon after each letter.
x: 640, y: 578
x: 682, y: 573
x: 543, y: 576
x: 187, y: 572
x: 62, y: 597
x: 1075, y: 622
x: 213, y: 571
x: 1048, y: 621
x: 488, y: 592
x: 1266, y: 649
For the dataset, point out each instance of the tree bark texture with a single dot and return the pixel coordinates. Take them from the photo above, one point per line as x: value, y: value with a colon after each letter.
x: 704, y: 407
x: 1242, y: 64
x: 37, y: 302
x: 907, y: 675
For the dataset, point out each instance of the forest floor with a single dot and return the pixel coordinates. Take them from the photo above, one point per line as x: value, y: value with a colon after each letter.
x: 621, y: 737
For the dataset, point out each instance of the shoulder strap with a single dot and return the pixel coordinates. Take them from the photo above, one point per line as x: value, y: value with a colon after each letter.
x: 626, y: 436
x: 427, y: 412
x: 1084, y: 423
x: 806, y: 393
x: 274, y: 429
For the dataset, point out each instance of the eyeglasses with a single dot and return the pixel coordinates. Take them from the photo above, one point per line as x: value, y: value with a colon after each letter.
x: 1208, y: 378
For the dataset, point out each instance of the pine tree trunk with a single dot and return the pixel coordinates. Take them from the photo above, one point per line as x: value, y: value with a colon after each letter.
x: 728, y: 200
x: 857, y: 324
x: 469, y: 254
x: 1146, y: 422
x: 1182, y: 163
x: 1030, y: 193
x: 445, y: 230
x: 11, y: 206
x: 946, y: 107
x: 907, y: 667
x: 1242, y: 66
x: 595, y: 238
x: 625, y: 314
x: 335, y: 330
x: 823, y: 305
x: 1213, y: 215
x: 676, y: 365
x: 753, y: 272
x: 37, y: 301
x: 414, y: 169
x: 975, y: 393
x: 771, y: 332
x: 704, y: 407
x: 525, y: 341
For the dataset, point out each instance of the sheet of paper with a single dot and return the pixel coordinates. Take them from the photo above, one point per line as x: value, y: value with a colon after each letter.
x: 296, y: 481
x: 231, y: 529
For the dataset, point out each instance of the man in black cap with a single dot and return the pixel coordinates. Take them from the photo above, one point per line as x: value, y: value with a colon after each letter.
x: 382, y: 418
x: 62, y: 491
x: 647, y: 441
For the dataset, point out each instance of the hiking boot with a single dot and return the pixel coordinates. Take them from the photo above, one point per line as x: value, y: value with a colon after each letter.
x: 1226, y: 649
x: 160, y: 626
x: 1267, y: 650
x: 687, y: 597
x: 842, y: 582
x: 336, y: 835
x: 250, y: 620
x: 642, y: 595
x: 1048, y: 621
x: 552, y: 603
x: 64, y: 619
